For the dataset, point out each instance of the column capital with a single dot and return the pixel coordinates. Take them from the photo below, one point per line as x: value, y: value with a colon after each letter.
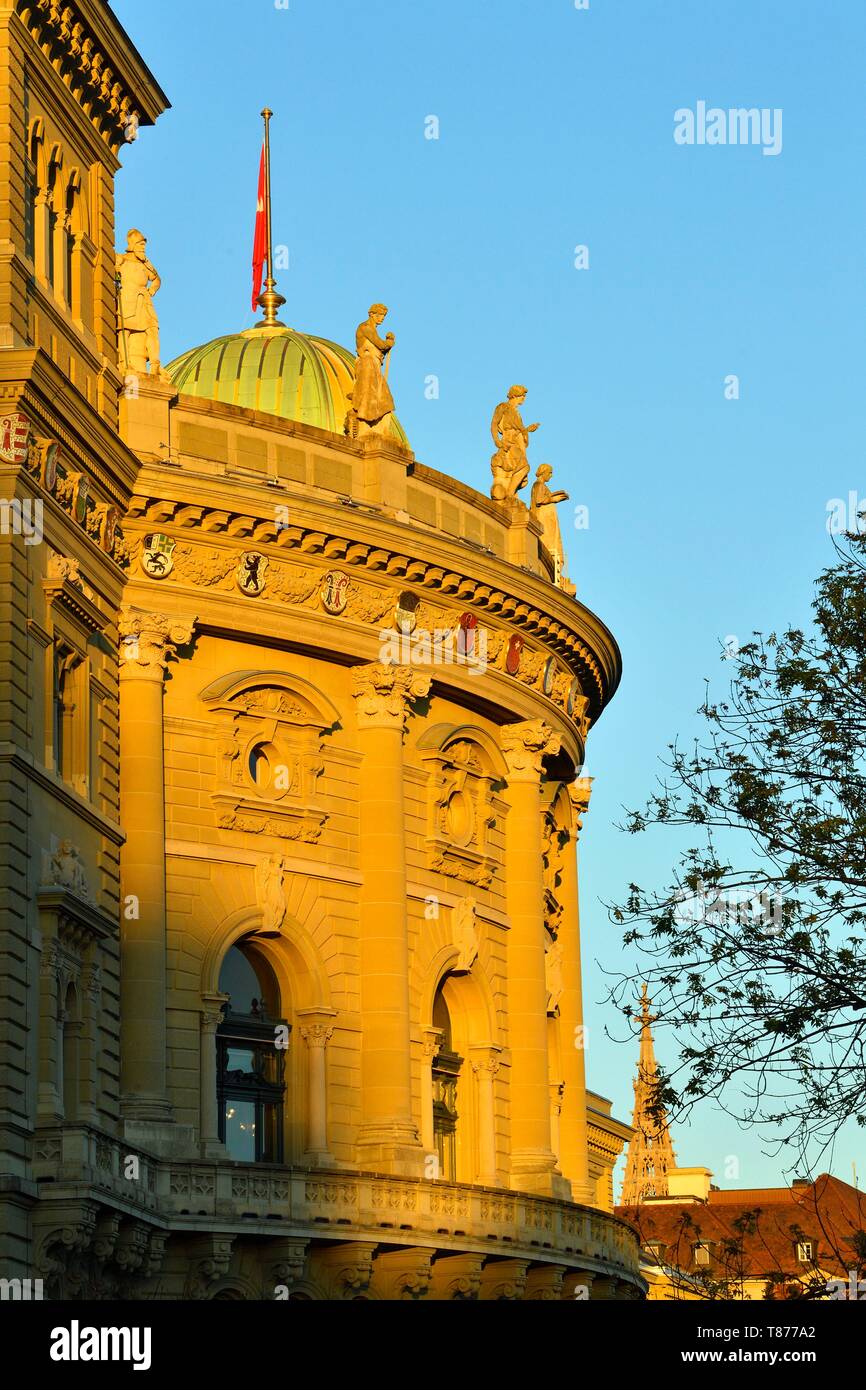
x: 212, y: 1010
x: 431, y: 1040
x: 525, y: 745
x: 580, y: 791
x: 384, y: 693
x: 485, y: 1058
x: 146, y: 640
x: 316, y: 1025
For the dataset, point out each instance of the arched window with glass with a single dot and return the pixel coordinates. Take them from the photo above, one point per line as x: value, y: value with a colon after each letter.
x: 446, y: 1073
x: 251, y: 1082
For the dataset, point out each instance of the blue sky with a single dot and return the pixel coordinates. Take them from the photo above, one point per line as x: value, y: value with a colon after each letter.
x: 707, y: 515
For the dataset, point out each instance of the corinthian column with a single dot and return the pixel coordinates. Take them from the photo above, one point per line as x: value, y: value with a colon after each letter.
x: 532, y: 1158
x: 211, y: 1018
x: 574, y: 1149
x: 388, y: 1139
x: 147, y: 639
x: 317, y: 1025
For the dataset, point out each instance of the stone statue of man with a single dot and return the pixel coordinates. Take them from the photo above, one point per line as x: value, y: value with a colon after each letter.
x: 371, y: 402
x: 138, y: 326
x: 509, y: 464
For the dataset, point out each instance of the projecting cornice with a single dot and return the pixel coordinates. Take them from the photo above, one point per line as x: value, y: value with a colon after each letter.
x: 404, y: 553
x: 101, y: 68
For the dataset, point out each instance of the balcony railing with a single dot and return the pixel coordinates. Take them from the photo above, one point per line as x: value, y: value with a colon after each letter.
x: 326, y: 1204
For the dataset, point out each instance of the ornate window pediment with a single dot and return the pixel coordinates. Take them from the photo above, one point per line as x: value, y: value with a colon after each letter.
x: 463, y: 765
x: 270, y: 729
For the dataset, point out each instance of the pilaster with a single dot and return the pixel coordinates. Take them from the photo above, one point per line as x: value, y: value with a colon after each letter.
x: 532, y: 1159
x: 574, y: 1141
x: 147, y: 640
x: 388, y: 1140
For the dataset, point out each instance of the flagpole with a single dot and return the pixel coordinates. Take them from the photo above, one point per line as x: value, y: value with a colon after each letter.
x: 269, y: 299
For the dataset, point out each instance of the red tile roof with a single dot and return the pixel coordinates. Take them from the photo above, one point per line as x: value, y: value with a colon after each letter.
x: 753, y: 1233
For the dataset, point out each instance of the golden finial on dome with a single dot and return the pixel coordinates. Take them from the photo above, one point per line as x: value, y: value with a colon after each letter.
x: 269, y: 299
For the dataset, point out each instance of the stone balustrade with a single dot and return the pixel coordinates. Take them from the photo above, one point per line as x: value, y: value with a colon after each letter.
x: 322, y: 1206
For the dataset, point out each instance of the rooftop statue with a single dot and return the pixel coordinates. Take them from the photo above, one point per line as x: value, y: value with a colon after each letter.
x: 509, y: 464
x: 543, y: 505
x: 138, y: 325
x: 371, y: 399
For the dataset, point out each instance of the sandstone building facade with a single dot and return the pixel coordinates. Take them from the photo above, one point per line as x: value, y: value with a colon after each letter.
x: 293, y: 725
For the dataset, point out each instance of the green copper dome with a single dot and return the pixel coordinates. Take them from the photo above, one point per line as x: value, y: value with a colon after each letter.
x: 278, y: 371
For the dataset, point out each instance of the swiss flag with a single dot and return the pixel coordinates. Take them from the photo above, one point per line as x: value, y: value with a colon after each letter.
x: 260, y: 238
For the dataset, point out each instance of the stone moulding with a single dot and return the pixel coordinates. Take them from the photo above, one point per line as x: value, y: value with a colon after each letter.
x: 556, y: 634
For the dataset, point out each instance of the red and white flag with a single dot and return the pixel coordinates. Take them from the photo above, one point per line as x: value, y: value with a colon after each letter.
x: 261, y: 236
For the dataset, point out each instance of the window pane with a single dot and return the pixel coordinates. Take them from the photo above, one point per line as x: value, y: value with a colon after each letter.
x: 241, y: 1130
x: 239, y: 981
x: 271, y: 1136
x: 241, y: 1059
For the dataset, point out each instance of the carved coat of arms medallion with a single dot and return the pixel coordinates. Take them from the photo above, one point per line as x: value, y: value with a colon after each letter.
x: 250, y: 573
x: 334, y: 592
x: 157, y: 556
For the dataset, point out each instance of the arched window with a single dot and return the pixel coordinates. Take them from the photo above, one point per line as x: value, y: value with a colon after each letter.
x: 446, y: 1071
x: 72, y: 192
x: 250, y: 1061
x: 31, y: 187
x: 52, y: 268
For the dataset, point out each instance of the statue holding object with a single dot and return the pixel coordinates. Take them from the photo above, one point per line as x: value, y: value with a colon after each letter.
x: 509, y: 465
x: 371, y: 402
x: 543, y: 505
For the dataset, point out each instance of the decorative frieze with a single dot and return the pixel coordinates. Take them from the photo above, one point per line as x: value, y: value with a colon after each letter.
x: 364, y: 603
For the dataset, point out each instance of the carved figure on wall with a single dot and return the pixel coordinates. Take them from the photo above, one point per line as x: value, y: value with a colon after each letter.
x: 62, y: 567
x: 509, y: 464
x: 270, y: 874
x: 465, y: 934
x: 553, y: 975
x: 65, y: 869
